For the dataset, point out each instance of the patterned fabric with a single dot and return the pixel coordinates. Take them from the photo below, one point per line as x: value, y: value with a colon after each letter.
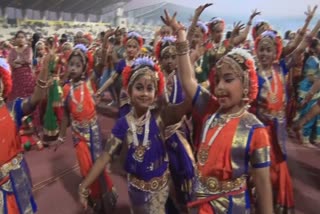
x: 148, y: 203
x: 311, y: 130
x: 15, y: 187
x: 273, y: 115
x: 241, y: 143
x: 22, y: 78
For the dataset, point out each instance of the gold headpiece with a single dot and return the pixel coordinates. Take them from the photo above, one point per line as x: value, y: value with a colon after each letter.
x: 145, y: 71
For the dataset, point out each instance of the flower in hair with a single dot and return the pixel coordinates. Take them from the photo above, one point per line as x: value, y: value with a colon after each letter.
x: 143, y: 61
x: 5, y: 65
x: 5, y: 74
x: 203, y: 27
x: 166, y: 39
x: 82, y: 47
x: 269, y: 33
x: 141, y: 65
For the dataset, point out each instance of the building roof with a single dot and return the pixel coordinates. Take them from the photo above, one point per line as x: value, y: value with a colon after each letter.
x: 73, y: 6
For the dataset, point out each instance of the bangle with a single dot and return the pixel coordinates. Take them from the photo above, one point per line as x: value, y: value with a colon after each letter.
x: 182, y: 47
x: 41, y: 83
x: 61, y: 139
x: 83, y: 191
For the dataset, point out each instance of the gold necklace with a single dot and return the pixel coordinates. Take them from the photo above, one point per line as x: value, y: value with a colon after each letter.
x: 203, y: 153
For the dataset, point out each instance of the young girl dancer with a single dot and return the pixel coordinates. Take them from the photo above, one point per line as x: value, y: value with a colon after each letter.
x: 140, y: 135
x: 133, y: 43
x: 15, y: 185
x: 176, y: 135
x: 80, y: 112
x: 234, y: 144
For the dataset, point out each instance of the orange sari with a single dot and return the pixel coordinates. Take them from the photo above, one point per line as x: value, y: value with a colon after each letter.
x: 85, y: 133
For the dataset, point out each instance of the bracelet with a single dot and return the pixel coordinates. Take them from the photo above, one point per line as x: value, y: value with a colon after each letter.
x: 42, y: 84
x: 42, y: 81
x: 84, y: 192
x: 182, y: 48
x: 61, y: 139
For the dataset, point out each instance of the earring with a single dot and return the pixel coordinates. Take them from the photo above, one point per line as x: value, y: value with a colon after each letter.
x: 245, y: 95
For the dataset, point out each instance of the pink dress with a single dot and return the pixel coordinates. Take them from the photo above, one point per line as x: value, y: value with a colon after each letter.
x: 23, y: 79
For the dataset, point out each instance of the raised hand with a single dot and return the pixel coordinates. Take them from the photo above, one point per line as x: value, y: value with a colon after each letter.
x: 254, y: 13
x: 310, y: 13
x: 201, y: 8
x: 171, y: 21
x: 237, y: 27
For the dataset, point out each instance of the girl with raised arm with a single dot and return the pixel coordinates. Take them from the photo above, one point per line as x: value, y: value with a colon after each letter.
x: 139, y: 135
x: 234, y: 144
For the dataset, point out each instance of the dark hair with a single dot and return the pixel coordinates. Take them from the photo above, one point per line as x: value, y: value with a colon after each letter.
x: 313, y: 44
x: 20, y: 32
x: 228, y: 35
x: 287, y: 33
x: 318, y: 34
x: 35, y: 38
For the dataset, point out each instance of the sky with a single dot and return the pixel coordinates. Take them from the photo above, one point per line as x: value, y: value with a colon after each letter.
x: 269, y: 8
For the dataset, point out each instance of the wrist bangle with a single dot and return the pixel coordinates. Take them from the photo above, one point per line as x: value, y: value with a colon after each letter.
x: 182, y: 47
x: 84, y: 191
x: 61, y: 139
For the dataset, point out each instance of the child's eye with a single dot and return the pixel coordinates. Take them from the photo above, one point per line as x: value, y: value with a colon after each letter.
x: 229, y: 80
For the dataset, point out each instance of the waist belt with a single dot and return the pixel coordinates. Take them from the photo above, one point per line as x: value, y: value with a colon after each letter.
x: 154, y: 185
x: 212, y: 186
x: 83, y: 123
x: 13, y: 164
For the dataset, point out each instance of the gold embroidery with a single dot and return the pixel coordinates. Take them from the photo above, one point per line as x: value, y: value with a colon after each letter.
x: 239, y: 204
x: 260, y: 156
x: 239, y: 144
x: 113, y: 145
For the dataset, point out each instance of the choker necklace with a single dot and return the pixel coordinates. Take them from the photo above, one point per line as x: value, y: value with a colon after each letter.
x: 80, y: 103
x: 140, y: 150
x: 203, y: 153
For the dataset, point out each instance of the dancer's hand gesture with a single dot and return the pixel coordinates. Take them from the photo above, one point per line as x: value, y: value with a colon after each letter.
x: 171, y: 21
x: 254, y: 13
x: 310, y: 13
x: 201, y: 8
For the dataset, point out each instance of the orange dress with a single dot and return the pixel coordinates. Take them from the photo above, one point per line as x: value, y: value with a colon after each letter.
x: 271, y: 110
x: 15, y: 185
x: 235, y: 146
x: 86, y: 135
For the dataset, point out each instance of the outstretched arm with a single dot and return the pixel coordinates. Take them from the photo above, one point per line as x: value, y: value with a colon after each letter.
x: 40, y: 90
x: 185, y: 68
x: 314, y: 111
x: 237, y: 40
x: 305, y: 42
x: 298, y: 39
x: 94, y: 173
x: 195, y: 19
x: 108, y: 83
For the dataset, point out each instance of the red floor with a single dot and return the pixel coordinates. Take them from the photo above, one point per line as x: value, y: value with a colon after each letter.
x: 56, y: 178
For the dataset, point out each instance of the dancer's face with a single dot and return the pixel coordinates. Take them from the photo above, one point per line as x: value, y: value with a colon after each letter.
x: 228, y: 88
x: 197, y: 38
x: 20, y: 39
x: 75, y: 68
x: 266, y: 52
x: 217, y: 33
x: 143, y: 93
x: 132, y: 48
x: 169, y: 62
